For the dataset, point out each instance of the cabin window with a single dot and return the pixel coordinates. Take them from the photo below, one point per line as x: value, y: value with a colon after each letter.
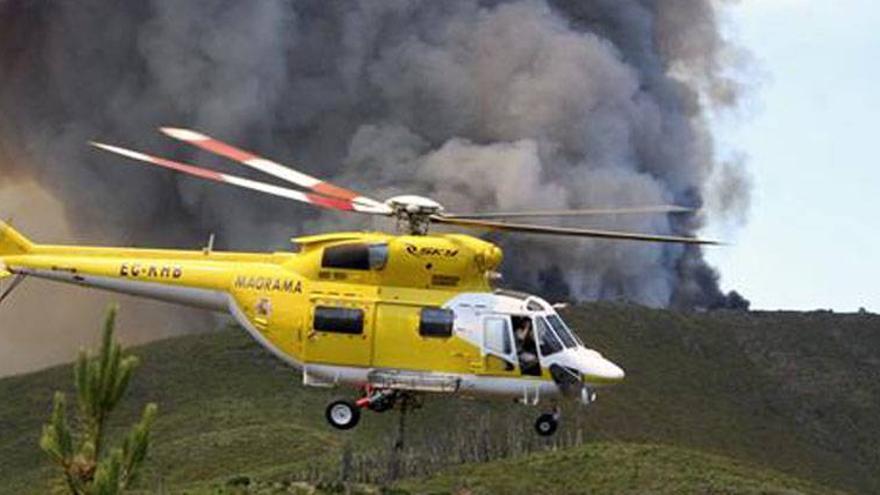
x: 436, y: 322
x: 356, y: 256
x: 339, y: 320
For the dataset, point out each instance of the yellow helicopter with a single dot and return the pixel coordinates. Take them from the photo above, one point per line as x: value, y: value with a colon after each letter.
x: 393, y: 316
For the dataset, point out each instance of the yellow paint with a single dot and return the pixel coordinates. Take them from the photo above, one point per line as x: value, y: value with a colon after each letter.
x: 494, y: 365
x: 11, y: 242
x: 399, y: 345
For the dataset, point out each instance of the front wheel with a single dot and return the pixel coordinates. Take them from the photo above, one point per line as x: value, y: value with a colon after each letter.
x: 343, y: 414
x: 546, y: 425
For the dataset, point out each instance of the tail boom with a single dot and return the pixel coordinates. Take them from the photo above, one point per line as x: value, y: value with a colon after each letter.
x: 193, y: 278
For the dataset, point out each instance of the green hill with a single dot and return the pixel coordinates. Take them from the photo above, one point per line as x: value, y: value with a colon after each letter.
x: 713, y: 403
x: 614, y: 468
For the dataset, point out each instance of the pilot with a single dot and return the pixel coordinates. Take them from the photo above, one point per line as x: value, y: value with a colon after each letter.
x: 525, y: 344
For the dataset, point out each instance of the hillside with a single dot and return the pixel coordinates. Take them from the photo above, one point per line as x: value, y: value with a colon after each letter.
x: 613, y: 468
x: 713, y: 403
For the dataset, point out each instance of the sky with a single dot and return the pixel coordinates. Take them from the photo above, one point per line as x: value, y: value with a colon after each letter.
x: 810, y: 138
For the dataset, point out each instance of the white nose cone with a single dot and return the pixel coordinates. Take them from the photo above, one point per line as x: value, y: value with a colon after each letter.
x: 612, y: 372
x: 599, y: 371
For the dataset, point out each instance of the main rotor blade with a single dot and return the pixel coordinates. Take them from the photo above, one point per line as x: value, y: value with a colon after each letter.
x: 541, y: 229
x: 204, y: 173
x: 274, y: 169
x: 575, y: 213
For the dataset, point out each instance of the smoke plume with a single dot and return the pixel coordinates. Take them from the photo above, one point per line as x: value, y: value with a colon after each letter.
x: 482, y: 105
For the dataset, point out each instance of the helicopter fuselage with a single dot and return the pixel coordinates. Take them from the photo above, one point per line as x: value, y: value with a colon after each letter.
x: 410, y: 313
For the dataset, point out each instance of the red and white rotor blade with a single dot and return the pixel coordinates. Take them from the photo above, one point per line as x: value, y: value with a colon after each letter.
x: 204, y: 173
x: 264, y: 165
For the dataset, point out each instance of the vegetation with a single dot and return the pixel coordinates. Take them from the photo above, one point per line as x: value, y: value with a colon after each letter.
x: 613, y: 469
x: 721, y: 402
x: 100, y: 382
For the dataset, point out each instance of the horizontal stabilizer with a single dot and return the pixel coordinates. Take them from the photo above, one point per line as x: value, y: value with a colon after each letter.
x: 13, y: 243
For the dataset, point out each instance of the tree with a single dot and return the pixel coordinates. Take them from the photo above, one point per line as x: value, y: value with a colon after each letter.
x: 80, y: 453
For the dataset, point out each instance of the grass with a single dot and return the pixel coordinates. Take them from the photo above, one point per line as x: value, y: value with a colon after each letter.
x: 713, y: 403
x: 615, y: 469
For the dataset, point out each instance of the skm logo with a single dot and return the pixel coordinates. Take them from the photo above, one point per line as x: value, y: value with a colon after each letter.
x: 430, y: 251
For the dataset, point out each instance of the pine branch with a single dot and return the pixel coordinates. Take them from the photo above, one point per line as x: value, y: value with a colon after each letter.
x: 109, y: 474
x: 136, y: 444
x: 101, y: 381
x: 56, y: 439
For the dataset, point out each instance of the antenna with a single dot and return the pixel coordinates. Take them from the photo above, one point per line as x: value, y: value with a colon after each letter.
x: 19, y: 278
x: 209, y: 248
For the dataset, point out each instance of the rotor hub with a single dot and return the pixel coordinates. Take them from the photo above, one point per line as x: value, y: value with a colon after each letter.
x: 414, y: 212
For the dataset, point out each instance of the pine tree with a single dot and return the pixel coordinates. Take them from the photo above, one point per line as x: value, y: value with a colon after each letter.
x: 100, y: 381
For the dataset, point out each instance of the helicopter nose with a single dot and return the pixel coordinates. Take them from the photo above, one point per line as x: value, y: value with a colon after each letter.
x: 613, y: 372
x: 603, y: 372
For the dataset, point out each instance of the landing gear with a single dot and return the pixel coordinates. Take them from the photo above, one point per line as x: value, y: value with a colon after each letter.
x: 379, y: 400
x: 546, y: 424
x: 343, y: 414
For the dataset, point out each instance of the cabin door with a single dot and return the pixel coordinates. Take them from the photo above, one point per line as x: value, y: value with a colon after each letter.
x: 497, y: 346
x: 340, y: 334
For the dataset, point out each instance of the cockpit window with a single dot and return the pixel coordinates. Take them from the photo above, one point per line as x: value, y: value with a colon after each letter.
x: 547, y: 341
x: 378, y: 255
x: 347, y: 256
x: 565, y: 334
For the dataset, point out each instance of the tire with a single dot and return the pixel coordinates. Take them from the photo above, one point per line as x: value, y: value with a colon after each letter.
x: 546, y: 425
x: 342, y: 414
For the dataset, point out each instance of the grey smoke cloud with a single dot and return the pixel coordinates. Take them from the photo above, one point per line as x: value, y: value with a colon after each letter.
x: 483, y: 105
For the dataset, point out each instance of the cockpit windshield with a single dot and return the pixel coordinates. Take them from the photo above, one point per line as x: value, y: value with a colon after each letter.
x: 565, y: 334
x: 547, y: 340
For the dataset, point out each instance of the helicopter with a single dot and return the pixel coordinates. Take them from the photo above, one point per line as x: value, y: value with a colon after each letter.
x: 393, y: 316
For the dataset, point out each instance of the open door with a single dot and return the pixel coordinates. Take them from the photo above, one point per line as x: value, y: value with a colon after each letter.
x: 497, y: 346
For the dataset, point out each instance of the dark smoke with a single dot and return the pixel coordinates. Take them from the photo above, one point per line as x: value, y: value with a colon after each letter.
x: 481, y: 105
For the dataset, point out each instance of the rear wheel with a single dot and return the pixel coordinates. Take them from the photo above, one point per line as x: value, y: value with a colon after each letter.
x: 343, y: 414
x: 546, y: 425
